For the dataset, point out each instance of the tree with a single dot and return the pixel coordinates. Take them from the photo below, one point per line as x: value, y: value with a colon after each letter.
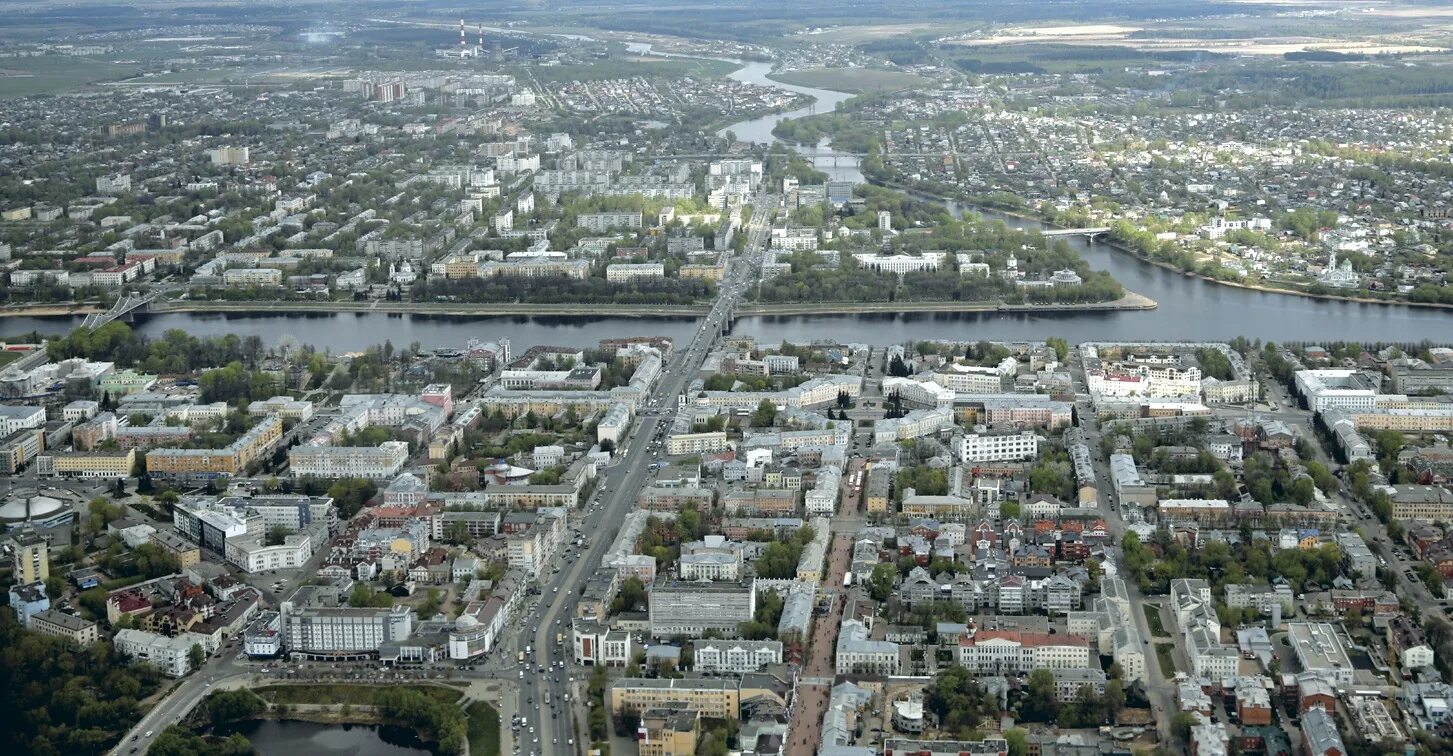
x: 880, y: 582
x: 1114, y: 699
x: 119, y: 492
x: 765, y: 415
x: 1018, y: 741
x: 276, y: 535
x: 958, y: 701
x: 365, y: 596
x: 430, y: 605
x: 1060, y: 346
x: 233, y: 705
x: 195, y: 656
x: 1041, y: 703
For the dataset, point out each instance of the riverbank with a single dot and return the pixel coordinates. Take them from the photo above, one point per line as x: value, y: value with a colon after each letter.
x: 1163, y: 265
x: 49, y: 310
x: 432, y: 308
x: 1129, y: 302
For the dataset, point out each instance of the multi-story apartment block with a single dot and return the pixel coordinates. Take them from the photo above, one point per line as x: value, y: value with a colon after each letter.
x: 999, y: 446
x: 371, y: 462
x: 696, y: 443
x: 737, y: 656
x: 206, y: 464
x: 50, y: 622
x: 172, y: 656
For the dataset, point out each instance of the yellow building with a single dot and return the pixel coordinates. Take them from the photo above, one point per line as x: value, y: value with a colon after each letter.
x: 187, y: 554
x: 712, y: 273
x: 94, y: 464
x: 876, y: 492
x: 463, y: 266
x: 669, y: 732
x: 210, y: 463
x: 720, y: 699
x: 32, y: 558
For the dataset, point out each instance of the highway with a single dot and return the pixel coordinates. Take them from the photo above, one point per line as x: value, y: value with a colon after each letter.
x: 548, y: 673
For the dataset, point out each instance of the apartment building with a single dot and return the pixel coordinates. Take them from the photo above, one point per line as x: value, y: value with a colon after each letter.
x: 50, y: 622
x: 627, y: 272
x: 112, y: 465
x: 599, y: 222
x: 736, y: 656
x: 372, y: 462
x: 206, y: 464
x: 696, y: 443
x: 172, y: 656
x: 1001, y: 446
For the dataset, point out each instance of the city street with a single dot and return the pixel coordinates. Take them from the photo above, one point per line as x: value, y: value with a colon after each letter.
x: 814, y: 683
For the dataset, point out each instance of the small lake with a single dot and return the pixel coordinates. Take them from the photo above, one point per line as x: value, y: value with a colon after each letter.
x: 288, y: 737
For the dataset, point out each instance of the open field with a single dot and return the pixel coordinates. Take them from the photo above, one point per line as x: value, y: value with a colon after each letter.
x: 1230, y: 39
x: 52, y: 74
x: 342, y: 693
x: 483, y: 729
x: 854, y: 80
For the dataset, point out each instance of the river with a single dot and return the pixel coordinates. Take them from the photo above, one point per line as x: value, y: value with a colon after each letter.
x: 1190, y: 308
x: 290, y: 737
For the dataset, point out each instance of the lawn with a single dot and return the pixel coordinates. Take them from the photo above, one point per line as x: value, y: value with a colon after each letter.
x: 50, y: 74
x: 342, y: 693
x: 483, y: 729
x: 1167, y: 662
x: 1152, y: 615
x: 853, y: 80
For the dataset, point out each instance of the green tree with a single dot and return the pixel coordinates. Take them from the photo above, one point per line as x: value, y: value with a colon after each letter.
x: 196, y: 656
x: 881, y: 581
x: 276, y: 535
x: 233, y: 705
x: 1018, y: 741
x: 1040, y: 704
x: 765, y: 415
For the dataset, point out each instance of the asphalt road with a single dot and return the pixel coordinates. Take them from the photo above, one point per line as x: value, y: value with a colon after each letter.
x: 555, y: 729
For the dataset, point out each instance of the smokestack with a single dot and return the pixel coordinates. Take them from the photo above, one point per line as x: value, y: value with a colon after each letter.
x: 481, y: 36
x: 1275, y: 616
x: 461, y: 33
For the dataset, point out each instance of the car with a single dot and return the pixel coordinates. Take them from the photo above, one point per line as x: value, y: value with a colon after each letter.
x: 148, y: 733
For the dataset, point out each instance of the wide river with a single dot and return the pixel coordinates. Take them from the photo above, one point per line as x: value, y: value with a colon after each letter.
x: 1190, y: 308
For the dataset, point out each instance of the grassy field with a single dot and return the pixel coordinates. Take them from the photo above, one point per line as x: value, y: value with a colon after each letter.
x: 342, y: 693
x: 1152, y: 616
x: 853, y: 80
x: 52, y: 74
x: 1167, y: 661
x: 483, y: 729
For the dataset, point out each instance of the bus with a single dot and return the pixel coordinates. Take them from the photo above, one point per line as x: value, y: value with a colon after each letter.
x: 848, y: 580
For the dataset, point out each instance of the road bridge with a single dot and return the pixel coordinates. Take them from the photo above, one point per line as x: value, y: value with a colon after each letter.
x: 1091, y: 232
x: 126, y: 304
